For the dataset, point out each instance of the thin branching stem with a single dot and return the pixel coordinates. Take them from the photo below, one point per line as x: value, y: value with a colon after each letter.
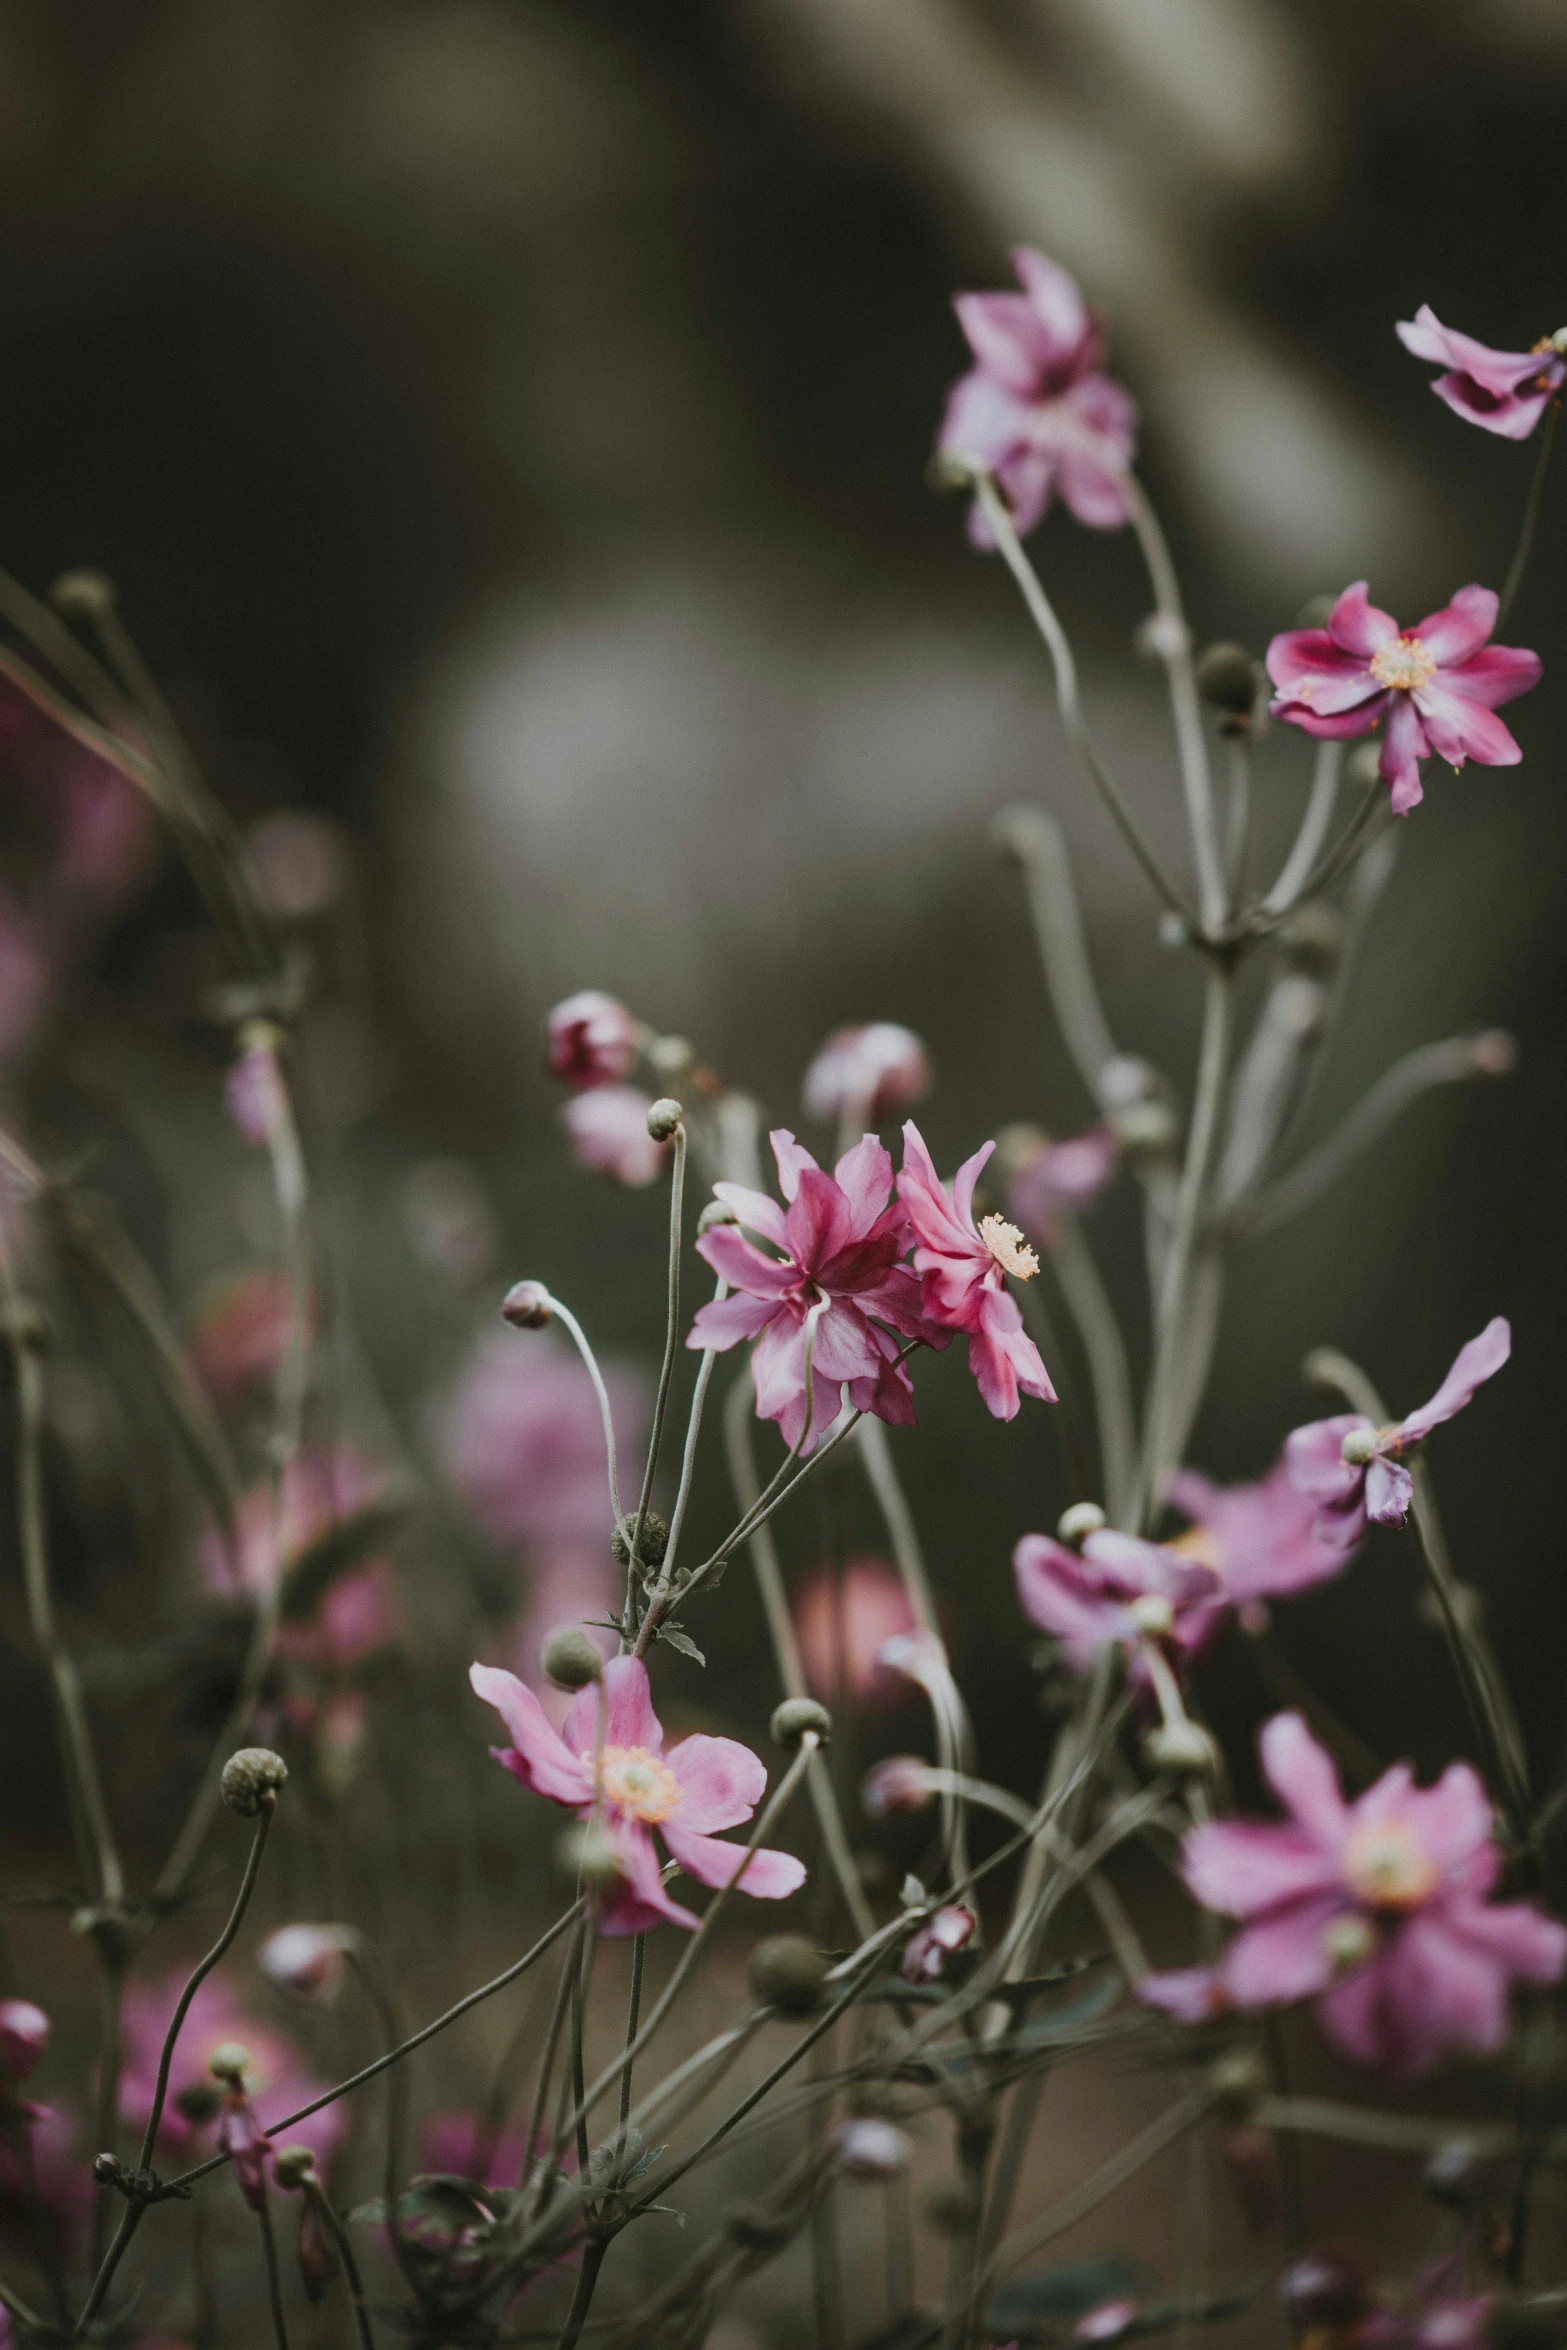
x: 1531, y: 513
x: 1321, y: 801
x: 666, y: 1369
x: 1175, y: 650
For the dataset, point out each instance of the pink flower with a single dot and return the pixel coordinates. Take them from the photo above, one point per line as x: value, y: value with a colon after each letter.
x: 254, y: 1089
x: 1503, y: 391
x: 1353, y: 1471
x: 1035, y: 410
x: 900, y: 1784
x: 841, y: 1623
x: 867, y: 1074
x: 615, y: 1769
x: 1057, y: 1177
x: 240, y: 1330
x: 1261, y: 1540
x: 322, y: 1488
x: 47, y: 2193
x: 1117, y: 1588
x: 840, y: 1241
x: 524, y: 1444
x: 240, y: 2138
x: 965, y: 1266
x: 592, y: 1039
x: 1437, y: 685
x: 276, y: 2079
x: 306, y: 1960
x: 607, y: 1129
x: 927, y: 1951
x: 1376, y: 1908
x: 24, y: 2035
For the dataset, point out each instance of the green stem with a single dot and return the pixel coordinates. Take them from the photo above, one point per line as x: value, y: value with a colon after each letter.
x: 1531, y: 514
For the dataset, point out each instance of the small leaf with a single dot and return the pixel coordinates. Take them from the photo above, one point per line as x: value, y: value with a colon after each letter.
x: 681, y: 1642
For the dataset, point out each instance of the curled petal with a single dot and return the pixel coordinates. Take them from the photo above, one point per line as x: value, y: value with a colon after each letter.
x: 1458, y: 729
x: 1358, y: 626
x: 1404, y: 745
x: 1473, y: 1365
x: 1389, y: 1491
x: 755, y: 1209
x: 540, y: 1759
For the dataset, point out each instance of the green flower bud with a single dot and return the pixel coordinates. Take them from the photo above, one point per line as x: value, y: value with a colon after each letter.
x: 795, y: 1717
x: 787, y: 1972
x: 251, y: 1778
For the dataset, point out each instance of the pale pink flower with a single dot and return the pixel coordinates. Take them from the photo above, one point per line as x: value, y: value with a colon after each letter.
x: 1353, y: 1471
x: 1436, y: 685
x: 524, y: 1444
x: 928, y: 1949
x: 835, y: 1292
x: 1504, y: 392
x: 1118, y: 1588
x: 1377, y: 1909
x: 608, y: 1763
x: 24, y: 2035
x: 607, y: 1130
x: 900, y: 1784
x: 867, y: 1074
x: 1262, y: 1540
x: 964, y: 1267
x: 306, y: 1960
x: 592, y: 1039
x: 322, y: 1487
x: 1036, y: 410
x: 276, y: 2081
x: 841, y: 1622
x: 239, y: 1330
x: 1057, y: 1178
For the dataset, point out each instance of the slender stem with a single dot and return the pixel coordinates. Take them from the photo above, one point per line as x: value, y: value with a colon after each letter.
x: 1175, y: 650
x: 579, y: 1338
x: 1320, y: 803
x: 1039, y: 845
x: 593, y: 2252
x: 541, y: 2089
x: 274, y: 2280
x: 130, y: 2221
x: 1237, y: 814
x: 1531, y: 514
x: 110, y: 1988
x: 660, y: 1596
x: 1325, y: 873
x: 1073, y: 1264
x: 677, y: 1194
x: 1042, y: 612
x: 638, y: 1954
x: 369, y: 1976
x: 345, y: 2252
x: 580, y: 1975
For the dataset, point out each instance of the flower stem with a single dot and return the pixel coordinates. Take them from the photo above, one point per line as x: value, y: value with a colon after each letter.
x: 593, y: 2252
x: 1320, y: 803
x: 677, y: 1194
x: 638, y: 1954
x: 345, y: 2252
x: 274, y: 2280
x: 1531, y: 514
x: 579, y: 1339
x: 1176, y: 653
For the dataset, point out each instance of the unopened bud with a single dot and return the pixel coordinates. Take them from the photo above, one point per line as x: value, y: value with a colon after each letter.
x: 870, y: 2149
x: 1349, y: 1940
x: 1173, y: 930
x: 941, y: 1937
x: 1152, y: 1615
x: 717, y: 1211
x: 527, y: 1305
x: 199, y: 2103
x: 251, y: 1779
x: 1326, y: 2288
x: 1107, y: 2321
x: 788, y: 1973
x: 1163, y: 636
x: 108, y: 2170
x: 83, y: 595
x: 900, y: 1784
x: 796, y: 1717
x: 1494, y: 1052
x: 229, y: 2062
x: 1083, y: 1518
x: 1227, y: 679
x: 650, y: 1544
x: 570, y: 1658
x: 664, y: 1117
x: 588, y: 1851
x: 293, y: 2166
x: 1252, y: 2161
x: 1020, y: 831
x: 1183, y: 1749
x: 306, y: 1960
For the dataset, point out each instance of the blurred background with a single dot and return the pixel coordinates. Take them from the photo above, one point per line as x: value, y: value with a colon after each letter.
x: 507, y: 426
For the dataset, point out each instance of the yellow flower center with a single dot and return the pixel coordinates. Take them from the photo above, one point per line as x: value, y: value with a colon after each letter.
x: 1388, y: 1867
x: 638, y: 1784
x: 1007, y: 1245
x: 1405, y: 664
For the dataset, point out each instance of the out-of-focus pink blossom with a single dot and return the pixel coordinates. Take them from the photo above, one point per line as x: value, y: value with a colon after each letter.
x: 841, y: 1621
x: 359, y: 1613
x: 24, y: 2035
x: 607, y: 1129
x: 239, y: 1331
x: 1036, y: 409
x: 1437, y: 685
x: 1435, y: 2314
x: 298, y: 863
x: 454, y: 2143
x: 927, y: 1951
x: 321, y: 1488
x: 592, y: 1039
x: 1107, y: 2321
x: 305, y: 1960
x: 45, y: 2191
x: 835, y: 1292
x: 254, y: 1090
x: 1353, y: 1471
x: 608, y: 1763
x: 964, y: 1268
x: 900, y: 1784
x: 1505, y: 392
x: 1261, y: 1539
x: 24, y: 975
x: 524, y: 1444
x: 864, y: 1075
x: 1377, y: 1909
x: 1119, y: 1588
x: 276, y: 2079
x: 1057, y: 1178
x: 870, y: 2148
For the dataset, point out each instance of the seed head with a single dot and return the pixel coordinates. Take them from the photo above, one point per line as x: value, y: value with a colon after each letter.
x: 293, y: 2166
x: 251, y: 1778
x: 795, y: 1717
x: 664, y: 1117
x: 570, y: 1658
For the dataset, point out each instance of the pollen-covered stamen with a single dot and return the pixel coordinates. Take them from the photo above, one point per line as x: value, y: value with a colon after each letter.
x: 1386, y: 1866
x: 1349, y: 1941
x: 1007, y: 1245
x: 1405, y: 664
x: 636, y: 1783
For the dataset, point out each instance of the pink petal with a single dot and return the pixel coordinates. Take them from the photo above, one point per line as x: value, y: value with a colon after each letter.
x: 963, y: 1183
x: 843, y: 1347
x: 1302, y: 1776
x: 1474, y: 1363
x: 817, y: 1222
x: 1389, y: 1491
x: 864, y: 1176
x: 1137, y: 1566
x: 1054, y: 297
x: 1307, y: 667
x: 754, y: 1208
x: 1094, y: 492
x: 1458, y: 729
x: 1461, y: 627
x: 629, y: 1716
x: 721, y: 1782
x: 930, y: 1210
x: 1513, y: 417
x: 1004, y: 1359
x: 1446, y: 1993
x: 1061, y: 1596
x: 744, y: 1266
x: 1359, y: 626
x: 1514, y: 1934
x: 1241, y: 1868
x: 1498, y: 673
x: 544, y: 1762
x: 1282, y: 1958
x: 793, y: 1160
x: 1011, y: 343
x: 1453, y: 1820
x: 1314, y: 1457
x: 769, y: 1876
x: 1191, y: 1994
x: 724, y: 1321
x: 1500, y: 372
x: 1404, y: 744
x: 984, y: 424
x: 778, y: 1364
x: 1358, y: 2014
x: 639, y: 1902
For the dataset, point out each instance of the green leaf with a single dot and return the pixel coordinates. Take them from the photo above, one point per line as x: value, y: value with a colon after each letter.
x: 681, y: 1642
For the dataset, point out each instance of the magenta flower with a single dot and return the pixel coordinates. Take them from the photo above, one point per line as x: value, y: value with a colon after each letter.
x: 592, y: 1039
x: 1056, y: 1178
x: 613, y: 1768
x: 239, y: 1330
x: 836, y: 1289
x: 1036, y: 410
x: 607, y: 1130
x: 867, y: 1074
x: 1354, y: 1472
x: 1437, y: 685
x: 965, y: 1266
x: 1502, y: 391
x: 1261, y: 1540
x: 1117, y: 1588
x: 1376, y: 1908
x: 276, y: 2079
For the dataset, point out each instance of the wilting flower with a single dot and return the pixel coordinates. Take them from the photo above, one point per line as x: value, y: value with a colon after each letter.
x: 1353, y: 1471
x: 840, y: 1238
x: 1261, y: 1540
x: 928, y: 1949
x: 1376, y: 1908
x: 592, y: 1039
x: 607, y: 1129
x: 613, y: 1769
x: 1047, y: 1180
x: 1117, y: 1588
x: 1437, y: 684
x: 276, y: 2080
x: 867, y: 1074
x: 240, y: 1329
x: 964, y: 1266
x: 841, y: 1622
x: 1503, y: 391
x: 1036, y: 409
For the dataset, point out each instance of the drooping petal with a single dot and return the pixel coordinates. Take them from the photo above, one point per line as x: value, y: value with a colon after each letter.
x: 1404, y: 745
x: 1474, y: 1363
x: 629, y: 1719
x: 1241, y: 1867
x: 1093, y: 489
x: 930, y: 1211
x: 1513, y: 418
x: 1358, y: 626
x: 778, y: 1364
x: 544, y: 1761
x: 1389, y: 1491
x: 638, y: 1902
x: 1461, y: 627
x: 1302, y: 1776
x: 769, y: 1875
x: 984, y: 424
x: 1004, y: 1359
x: 721, y: 1782
x: 724, y: 1321
x: 1458, y: 729
x: 1501, y: 372
x: 1282, y: 1958
x: 1358, y: 2013
x: 1445, y: 1993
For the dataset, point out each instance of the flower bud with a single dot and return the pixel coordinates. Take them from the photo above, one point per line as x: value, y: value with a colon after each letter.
x: 1152, y: 1615
x: 527, y: 1305
x: 1163, y: 636
x: 251, y: 1779
x: 240, y: 2138
x: 24, y: 2035
x: 795, y: 1717
x: 588, y: 1851
x: 788, y: 1973
x: 229, y: 2061
x: 870, y: 2149
x: 199, y: 2102
x: 570, y: 1658
x: 83, y: 595
x: 900, y: 1784
x: 871, y: 1072
x: 108, y: 2170
x: 1084, y: 1517
x: 1173, y: 930
x: 305, y: 1960
x: 292, y: 2166
x: 1362, y: 766
x: 664, y: 1117
x: 318, y: 2255
x: 1227, y: 679
x: 717, y: 1211
x: 1494, y: 1052
x: 1349, y: 1940
x: 1182, y: 1748
x: 653, y: 1541
x: 591, y: 1039
x: 1252, y: 2162
x: 927, y: 1952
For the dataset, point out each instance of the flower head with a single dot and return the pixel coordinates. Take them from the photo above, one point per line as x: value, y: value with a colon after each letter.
x: 1117, y: 1588
x: 612, y: 1768
x: 592, y: 1039
x: 524, y: 1444
x: 276, y: 2079
x: 964, y: 1266
x: 1262, y: 1540
x: 1047, y: 1180
x: 867, y: 1074
x: 1436, y: 685
x: 607, y: 1129
x: 1353, y: 1471
x: 1376, y: 1908
x: 1036, y: 409
x: 928, y: 1949
x: 836, y: 1293
x: 24, y: 2035
x: 1504, y: 392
